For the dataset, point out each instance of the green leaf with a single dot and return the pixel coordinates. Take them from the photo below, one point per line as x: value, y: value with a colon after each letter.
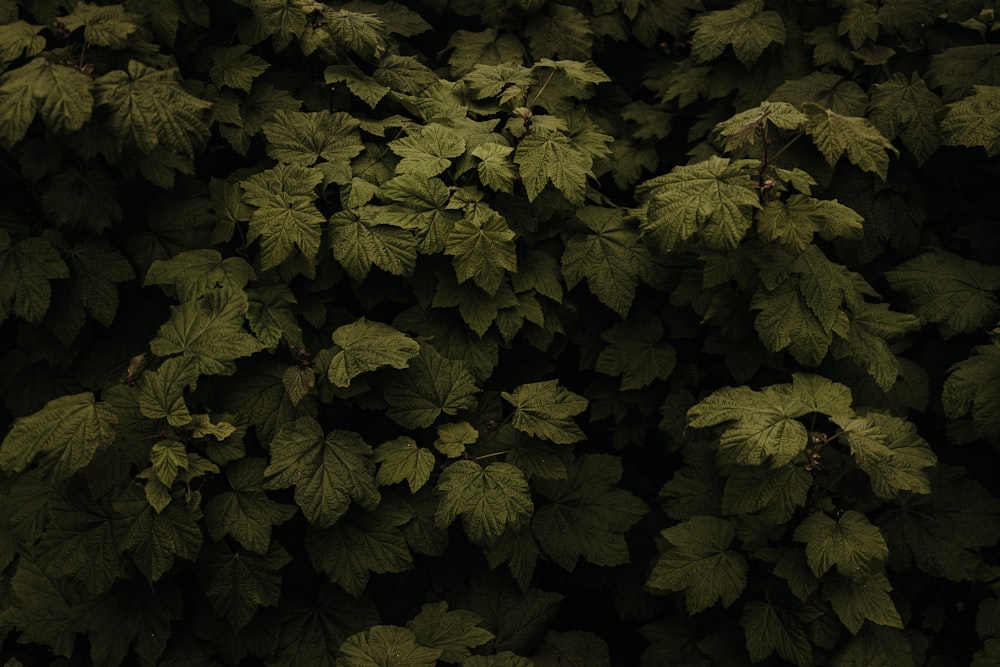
x: 609, y: 255
x: 747, y: 127
x: 271, y: 318
x: 404, y: 74
x: 132, y: 615
x: 95, y: 268
x: 564, y: 33
x: 970, y: 390
x: 747, y: 27
x: 207, y: 332
x: 235, y: 67
x: 765, y: 428
x: 364, y: 345
x: 587, y: 515
x: 545, y: 156
x: 168, y: 457
x: 102, y: 25
x: 423, y: 208
x: 359, y: 242
x: 909, y: 110
x: 239, y: 583
x: 636, y: 353
x: 25, y: 271
x: 483, y: 248
x: 710, y: 199
x: 454, y: 632
x: 484, y: 48
x: 244, y: 511
x: 856, y: 601
x: 850, y: 542
x: 20, y: 39
x: 774, y: 495
x: 860, y: 22
x: 432, y: 385
x: 825, y: 89
x: 197, y: 272
x: 891, y: 451
x: 452, y: 438
x: 488, y: 499
x: 697, y: 561
x: 285, y: 213
x: 401, y: 459
x: 518, y: 619
x: 973, y: 121
x: 769, y: 628
x: 786, y: 321
x: 299, y: 138
x: 794, y: 221
x: 429, y: 151
x: 67, y: 432
x: 546, y: 410
x: 149, y: 108
x: 386, y: 646
x: 364, y: 33
x: 835, y: 135
x: 60, y: 94
x: 364, y: 87
x: 44, y: 610
x: 156, y: 539
x: 495, y: 169
x: 328, y: 470
x: 315, y: 626
x: 957, y: 294
x: 358, y: 545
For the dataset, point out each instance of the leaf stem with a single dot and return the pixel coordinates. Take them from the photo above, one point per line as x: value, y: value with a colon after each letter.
x: 784, y: 148
x: 491, y: 455
x: 542, y: 89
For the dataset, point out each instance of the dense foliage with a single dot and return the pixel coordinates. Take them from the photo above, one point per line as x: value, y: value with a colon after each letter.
x: 499, y: 332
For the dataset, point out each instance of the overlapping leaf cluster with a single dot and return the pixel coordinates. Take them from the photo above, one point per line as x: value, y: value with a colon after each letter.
x: 498, y: 333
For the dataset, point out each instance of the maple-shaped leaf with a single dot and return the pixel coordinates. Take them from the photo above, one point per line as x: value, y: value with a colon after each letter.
x: 479, y: 309
x: 109, y: 25
x: 770, y: 628
x: 238, y: 583
x: 957, y: 294
x: 132, y: 616
x: 296, y: 137
x: 364, y: 33
x: 168, y: 457
x: 95, y: 268
x: 489, y: 499
x: 60, y: 94
x: 197, y: 272
x: 609, y: 255
x: 786, y: 321
x: 501, y: 659
x: 270, y: 315
x: 317, y: 621
x: 429, y: 151
x: 773, y: 494
x: 66, y: 433
x: 908, y: 109
x: 364, y: 87
x: 973, y: 121
x: 699, y: 562
x: 245, y: 511
x: 328, y: 470
x: 80, y: 542
x: 636, y: 352
x: 891, y: 451
x: 285, y: 213
x: 546, y: 410
x: 825, y: 89
x: 364, y: 345
x: 454, y: 632
x: 422, y: 206
x: 588, y: 514
x: 360, y: 242
x: 25, y: 271
x: 849, y: 542
x: 712, y: 199
x: 386, y: 646
x: 793, y: 222
x: 495, y: 167
x: 20, y: 39
x: 835, y: 135
x: 856, y: 601
x: 44, y: 610
x: 401, y: 459
x: 156, y: 539
x: 562, y: 32
x: 483, y: 248
x: 747, y: 27
x: 483, y: 48
x: 148, y: 107
x: 432, y: 385
x: 766, y: 427
x: 545, y: 156
x: 453, y: 437
x: 404, y: 74
x: 236, y: 67
x: 970, y: 390
x: 208, y: 332
x: 747, y: 128
x: 359, y: 544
